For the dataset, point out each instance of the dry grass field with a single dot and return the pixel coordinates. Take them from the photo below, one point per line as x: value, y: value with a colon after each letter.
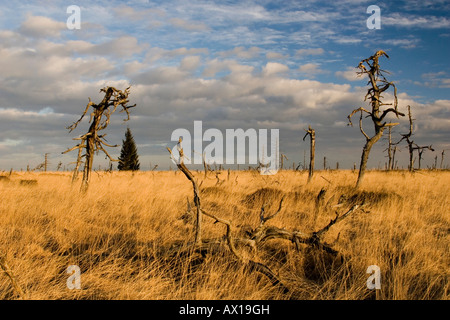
x: 123, y: 231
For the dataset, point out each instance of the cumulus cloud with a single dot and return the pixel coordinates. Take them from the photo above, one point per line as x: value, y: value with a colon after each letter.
x: 39, y: 26
x: 349, y: 74
x: 311, y: 69
x: 272, y: 68
x: 190, y: 63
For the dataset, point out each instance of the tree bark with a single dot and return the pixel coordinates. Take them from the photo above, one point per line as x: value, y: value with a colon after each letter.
x: 365, y: 157
x: 312, y: 150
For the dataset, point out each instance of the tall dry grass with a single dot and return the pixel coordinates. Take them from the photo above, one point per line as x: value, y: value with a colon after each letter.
x: 121, y: 233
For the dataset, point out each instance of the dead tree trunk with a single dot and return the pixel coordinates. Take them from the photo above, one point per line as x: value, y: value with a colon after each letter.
x: 421, y: 150
x: 413, y: 146
x: 390, y: 150
x: 282, y: 157
x: 312, y: 134
x: 442, y: 159
x: 188, y: 174
x: 378, y: 85
x: 92, y: 141
x: 410, y: 143
x: 394, y: 151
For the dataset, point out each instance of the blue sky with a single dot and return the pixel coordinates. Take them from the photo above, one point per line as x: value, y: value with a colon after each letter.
x: 232, y: 64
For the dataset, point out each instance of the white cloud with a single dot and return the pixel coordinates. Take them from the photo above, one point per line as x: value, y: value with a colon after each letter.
x: 435, y: 80
x: 212, y: 67
x: 272, y: 68
x: 188, y: 25
x: 39, y: 26
x: 402, y: 43
x: 349, y: 74
x: 276, y: 55
x: 409, y: 21
x: 11, y: 142
x: 154, y: 54
x: 123, y: 46
x: 241, y: 52
x: 310, y: 52
x: 129, y: 13
x: 311, y: 69
x: 190, y: 63
x: 346, y: 40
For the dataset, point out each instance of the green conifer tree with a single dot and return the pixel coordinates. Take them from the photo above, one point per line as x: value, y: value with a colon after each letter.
x: 129, y: 158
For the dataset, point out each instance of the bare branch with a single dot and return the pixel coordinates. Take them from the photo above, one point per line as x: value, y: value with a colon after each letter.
x: 349, y: 117
x: 264, y: 219
x: 338, y: 218
x: 75, y: 124
x: 361, y: 127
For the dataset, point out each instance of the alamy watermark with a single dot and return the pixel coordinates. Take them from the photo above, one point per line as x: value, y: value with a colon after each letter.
x: 259, y: 152
x: 374, y: 281
x: 74, y: 280
x: 74, y: 20
x: 374, y: 21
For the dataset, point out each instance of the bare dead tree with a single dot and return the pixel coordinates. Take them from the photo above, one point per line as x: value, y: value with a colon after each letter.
x: 407, y: 138
x: 390, y: 149
x: 45, y: 162
x: 442, y: 158
x: 378, y: 84
x: 255, y: 238
x: 91, y: 141
x: 180, y: 164
x: 420, y: 150
x: 282, y: 157
x: 312, y: 135
x: 39, y: 166
x: 205, y: 166
x: 394, y: 151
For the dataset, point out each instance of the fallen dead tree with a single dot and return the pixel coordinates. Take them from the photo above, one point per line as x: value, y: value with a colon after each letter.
x: 256, y: 238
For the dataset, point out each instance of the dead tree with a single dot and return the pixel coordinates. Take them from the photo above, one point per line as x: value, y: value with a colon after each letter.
x: 407, y: 138
x: 190, y: 176
x: 394, y: 163
x: 254, y: 238
x: 282, y: 157
x: 442, y: 158
x: 312, y: 134
x: 91, y: 141
x: 420, y: 150
x: 378, y: 84
x: 390, y: 151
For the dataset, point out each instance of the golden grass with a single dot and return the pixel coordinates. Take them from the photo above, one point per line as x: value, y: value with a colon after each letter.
x: 119, y: 234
